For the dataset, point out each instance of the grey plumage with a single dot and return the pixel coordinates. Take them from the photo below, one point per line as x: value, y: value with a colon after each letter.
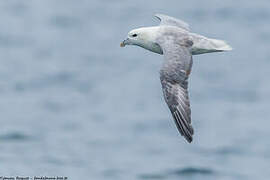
x: 201, y: 44
x: 173, y: 39
x: 174, y: 75
x: 171, y: 21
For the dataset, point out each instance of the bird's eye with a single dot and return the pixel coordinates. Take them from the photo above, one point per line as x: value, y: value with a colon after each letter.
x: 134, y: 35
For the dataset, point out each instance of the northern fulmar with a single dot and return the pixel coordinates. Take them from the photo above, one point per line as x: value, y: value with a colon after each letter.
x: 173, y: 39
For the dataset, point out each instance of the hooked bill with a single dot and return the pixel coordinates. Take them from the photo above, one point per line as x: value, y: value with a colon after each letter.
x: 122, y: 44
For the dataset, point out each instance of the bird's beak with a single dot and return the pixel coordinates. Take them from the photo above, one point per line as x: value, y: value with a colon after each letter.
x: 124, y: 43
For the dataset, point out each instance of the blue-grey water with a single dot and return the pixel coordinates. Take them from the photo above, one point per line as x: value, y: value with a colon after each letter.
x: 73, y: 103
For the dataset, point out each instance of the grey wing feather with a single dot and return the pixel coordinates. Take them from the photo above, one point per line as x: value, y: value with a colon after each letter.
x: 167, y: 20
x: 177, y: 99
x: 174, y: 79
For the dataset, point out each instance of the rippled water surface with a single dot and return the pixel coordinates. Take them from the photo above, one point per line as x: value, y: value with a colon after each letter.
x: 73, y: 103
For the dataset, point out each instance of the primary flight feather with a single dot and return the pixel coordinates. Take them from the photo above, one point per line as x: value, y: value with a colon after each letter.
x: 173, y: 39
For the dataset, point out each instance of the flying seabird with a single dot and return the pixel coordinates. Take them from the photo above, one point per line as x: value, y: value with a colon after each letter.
x: 173, y: 39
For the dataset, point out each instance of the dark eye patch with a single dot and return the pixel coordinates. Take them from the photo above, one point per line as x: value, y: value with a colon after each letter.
x: 134, y: 35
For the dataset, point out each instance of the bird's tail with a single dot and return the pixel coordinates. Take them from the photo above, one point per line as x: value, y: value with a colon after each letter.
x: 203, y: 45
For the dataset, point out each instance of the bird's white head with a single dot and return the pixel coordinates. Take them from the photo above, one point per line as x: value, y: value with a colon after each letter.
x: 144, y: 37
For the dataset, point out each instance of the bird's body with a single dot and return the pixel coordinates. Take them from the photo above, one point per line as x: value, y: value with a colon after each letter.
x: 174, y: 40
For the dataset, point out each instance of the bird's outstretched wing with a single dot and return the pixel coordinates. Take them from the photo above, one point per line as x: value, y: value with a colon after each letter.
x: 171, y: 21
x: 174, y: 79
